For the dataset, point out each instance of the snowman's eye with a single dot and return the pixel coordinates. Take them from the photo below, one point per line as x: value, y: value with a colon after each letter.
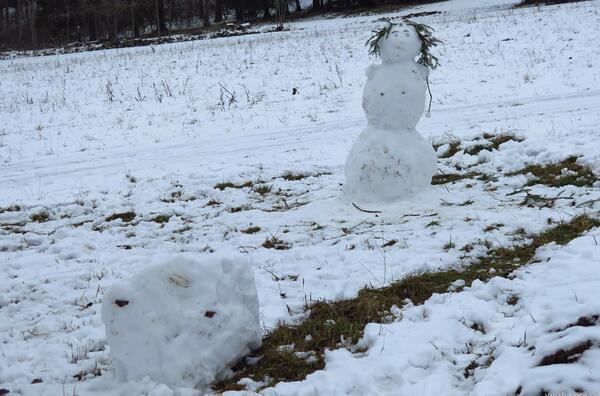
x: 381, y: 94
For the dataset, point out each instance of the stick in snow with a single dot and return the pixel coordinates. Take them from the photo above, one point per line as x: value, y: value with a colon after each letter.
x: 364, y: 210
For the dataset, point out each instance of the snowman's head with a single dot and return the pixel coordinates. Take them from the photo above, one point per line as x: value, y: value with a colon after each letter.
x: 402, y: 43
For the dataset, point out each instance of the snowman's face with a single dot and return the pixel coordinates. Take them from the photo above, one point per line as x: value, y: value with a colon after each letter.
x: 403, y: 43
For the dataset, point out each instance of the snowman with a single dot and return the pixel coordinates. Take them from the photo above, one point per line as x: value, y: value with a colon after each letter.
x: 390, y: 160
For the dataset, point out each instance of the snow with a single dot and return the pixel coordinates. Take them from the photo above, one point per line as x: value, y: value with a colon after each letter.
x: 182, y: 323
x: 390, y: 160
x: 67, y: 151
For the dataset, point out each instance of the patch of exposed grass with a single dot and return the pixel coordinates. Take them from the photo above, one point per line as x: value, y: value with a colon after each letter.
x: 389, y: 243
x: 493, y: 227
x: 493, y: 143
x: 273, y: 242
x: 537, y: 3
x: 40, y: 217
x: 449, y: 245
x: 330, y: 322
x: 126, y: 217
x: 15, y: 228
x: 513, y: 299
x: 161, y: 219
x: 80, y: 223
x: 444, y: 178
x: 559, y: 174
x: 291, y: 176
x: 228, y: 184
x: 11, y: 208
x: 295, y: 176
x: 213, y: 202
x: 453, y: 148
x: 433, y: 223
x: 250, y: 230
x: 263, y: 189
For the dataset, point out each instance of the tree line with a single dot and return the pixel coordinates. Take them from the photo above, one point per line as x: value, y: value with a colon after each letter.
x: 33, y: 24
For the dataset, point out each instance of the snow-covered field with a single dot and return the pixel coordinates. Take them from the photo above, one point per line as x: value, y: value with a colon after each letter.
x: 112, y: 161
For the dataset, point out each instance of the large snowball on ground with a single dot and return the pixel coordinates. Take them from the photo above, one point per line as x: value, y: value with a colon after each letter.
x: 182, y: 322
x: 401, y: 44
x: 385, y: 165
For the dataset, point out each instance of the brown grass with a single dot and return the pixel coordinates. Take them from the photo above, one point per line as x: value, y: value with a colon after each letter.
x: 329, y: 322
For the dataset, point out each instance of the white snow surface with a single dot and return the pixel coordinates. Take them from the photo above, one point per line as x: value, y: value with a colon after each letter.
x: 182, y: 323
x: 150, y: 131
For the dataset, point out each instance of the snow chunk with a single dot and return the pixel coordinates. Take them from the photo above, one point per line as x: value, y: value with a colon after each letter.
x: 182, y: 322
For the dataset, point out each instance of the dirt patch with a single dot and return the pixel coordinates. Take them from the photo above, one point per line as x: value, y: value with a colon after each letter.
x: 563, y: 356
x: 584, y: 321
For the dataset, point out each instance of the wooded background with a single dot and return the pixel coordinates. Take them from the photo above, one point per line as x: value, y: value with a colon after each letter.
x: 33, y: 24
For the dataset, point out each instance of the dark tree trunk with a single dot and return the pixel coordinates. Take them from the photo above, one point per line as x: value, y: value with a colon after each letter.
x: 170, y: 16
x: 189, y: 12
x: 160, y: 17
x: 205, y: 20
x: 92, y: 28
x: 218, y: 10
x: 18, y: 18
x: 298, y: 8
x: 135, y: 30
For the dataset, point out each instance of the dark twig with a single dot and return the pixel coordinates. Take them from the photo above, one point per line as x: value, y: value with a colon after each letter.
x: 365, y: 210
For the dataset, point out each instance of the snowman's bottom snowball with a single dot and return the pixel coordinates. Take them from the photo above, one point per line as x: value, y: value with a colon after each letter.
x: 183, y: 322
x: 386, y: 165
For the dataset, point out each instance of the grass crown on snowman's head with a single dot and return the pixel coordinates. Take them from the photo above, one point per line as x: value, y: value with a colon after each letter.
x: 424, y: 32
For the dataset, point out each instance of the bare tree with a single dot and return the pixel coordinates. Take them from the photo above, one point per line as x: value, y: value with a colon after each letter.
x: 282, y: 7
x: 218, y: 10
x: 205, y: 16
